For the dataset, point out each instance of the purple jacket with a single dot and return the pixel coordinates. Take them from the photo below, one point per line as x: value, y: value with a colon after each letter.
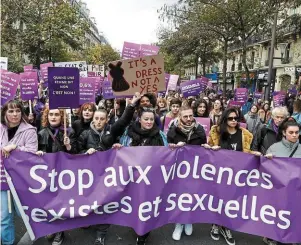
x: 26, y: 139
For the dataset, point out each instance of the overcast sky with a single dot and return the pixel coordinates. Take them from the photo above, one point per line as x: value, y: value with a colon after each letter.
x: 127, y: 20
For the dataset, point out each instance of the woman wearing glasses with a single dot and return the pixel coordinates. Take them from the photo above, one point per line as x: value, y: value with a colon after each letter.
x: 143, y: 132
x: 230, y: 136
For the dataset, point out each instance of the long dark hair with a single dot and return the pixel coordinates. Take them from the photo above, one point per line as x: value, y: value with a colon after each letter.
x: 223, y: 125
x: 12, y: 104
x: 197, y: 104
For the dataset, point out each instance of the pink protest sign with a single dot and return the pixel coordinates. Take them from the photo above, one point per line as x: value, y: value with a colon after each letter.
x: 86, y: 90
x: 205, y: 122
x: 146, y: 50
x: 9, y: 85
x: 130, y: 50
x: 237, y: 104
x: 29, y: 68
x: 241, y: 94
x: 172, y: 83
x: 166, y: 124
x: 29, y: 85
x: 243, y: 125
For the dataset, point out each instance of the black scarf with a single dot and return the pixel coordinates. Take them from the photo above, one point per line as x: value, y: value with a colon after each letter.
x: 150, y: 137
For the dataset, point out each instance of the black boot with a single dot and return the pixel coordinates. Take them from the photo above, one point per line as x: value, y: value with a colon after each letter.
x: 100, y: 241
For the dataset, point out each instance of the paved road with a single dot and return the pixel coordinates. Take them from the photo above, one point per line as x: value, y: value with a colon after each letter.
x: 118, y: 235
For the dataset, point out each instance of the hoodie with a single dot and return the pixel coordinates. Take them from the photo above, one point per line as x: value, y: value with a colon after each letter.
x: 26, y: 139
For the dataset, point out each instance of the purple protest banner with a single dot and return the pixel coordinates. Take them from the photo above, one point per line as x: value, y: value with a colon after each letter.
x: 191, y: 88
x: 241, y: 94
x: 187, y: 185
x: 63, y: 87
x: 130, y: 50
x: 29, y: 68
x: 29, y: 85
x: 278, y: 100
x: 98, y: 84
x: 205, y: 122
x: 9, y: 85
x: 172, y: 82
x: 147, y: 50
x: 86, y: 90
x: 44, y: 72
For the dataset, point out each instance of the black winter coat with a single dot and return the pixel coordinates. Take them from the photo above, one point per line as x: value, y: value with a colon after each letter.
x: 49, y: 145
x: 198, y: 137
x: 91, y: 139
x: 265, y: 137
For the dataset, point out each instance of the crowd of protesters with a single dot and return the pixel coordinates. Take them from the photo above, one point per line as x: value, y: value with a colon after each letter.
x: 140, y: 121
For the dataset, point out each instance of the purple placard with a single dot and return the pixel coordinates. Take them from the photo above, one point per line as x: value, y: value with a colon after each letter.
x: 241, y: 94
x: 204, y: 81
x: 148, y: 50
x: 107, y: 91
x: 29, y: 68
x: 253, y: 205
x: 293, y: 90
x: 205, y: 122
x: 130, y: 50
x: 191, y: 88
x: 237, y: 104
x: 172, y: 82
x: 63, y: 87
x: 258, y: 95
x: 9, y: 85
x: 29, y: 85
x: 210, y: 85
x: 278, y: 100
x: 87, y: 90
x: 44, y: 72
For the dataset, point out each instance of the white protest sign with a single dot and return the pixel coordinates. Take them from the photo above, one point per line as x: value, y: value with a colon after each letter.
x: 81, y: 65
x: 3, y: 63
x: 97, y: 70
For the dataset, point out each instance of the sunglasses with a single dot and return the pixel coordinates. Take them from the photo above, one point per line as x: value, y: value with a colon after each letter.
x: 232, y: 118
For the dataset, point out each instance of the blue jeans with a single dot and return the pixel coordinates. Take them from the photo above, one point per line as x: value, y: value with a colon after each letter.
x: 7, y: 220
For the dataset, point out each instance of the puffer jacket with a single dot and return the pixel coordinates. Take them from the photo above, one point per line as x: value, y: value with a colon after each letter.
x: 102, y: 141
x: 264, y: 138
x: 26, y: 140
x: 175, y: 135
x: 247, y: 137
x: 284, y: 148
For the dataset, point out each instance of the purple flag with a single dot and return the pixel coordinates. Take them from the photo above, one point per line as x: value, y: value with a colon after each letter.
x: 148, y: 50
x: 87, y: 90
x: 188, y: 185
x: 130, y: 50
x: 191, y: 88
x: 44, y: 72
x: 29, y: 85
x: 9, y: 85
x: 63, y: 87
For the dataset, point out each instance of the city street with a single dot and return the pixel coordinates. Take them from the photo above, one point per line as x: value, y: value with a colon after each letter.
x: 125, y: 236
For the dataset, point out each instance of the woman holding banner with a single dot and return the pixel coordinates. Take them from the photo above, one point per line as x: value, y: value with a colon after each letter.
x: 52, y: 138
x: 16, y: 134
x: 289, y: 146
x: 100, y: 137
x: 230, y: 136
x: 143, y: 132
